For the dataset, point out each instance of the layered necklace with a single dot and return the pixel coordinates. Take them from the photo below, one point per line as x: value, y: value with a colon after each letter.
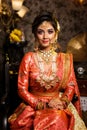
x: 47, y: 79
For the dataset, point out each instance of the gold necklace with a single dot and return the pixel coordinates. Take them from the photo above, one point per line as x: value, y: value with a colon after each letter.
x: 47, y: 81
x: 46, y: 55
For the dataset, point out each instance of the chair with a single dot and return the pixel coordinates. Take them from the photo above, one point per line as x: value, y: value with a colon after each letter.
x: 4, y: 104
x: 10, y: 99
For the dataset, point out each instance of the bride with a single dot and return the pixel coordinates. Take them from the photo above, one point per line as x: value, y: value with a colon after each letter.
x: 47, y: 84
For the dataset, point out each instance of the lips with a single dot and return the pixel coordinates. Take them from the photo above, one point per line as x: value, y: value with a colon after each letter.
x: 45, y: 41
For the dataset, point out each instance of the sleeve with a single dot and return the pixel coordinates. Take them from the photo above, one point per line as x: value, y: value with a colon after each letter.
x: 23, y: 81
x: 72, y: 89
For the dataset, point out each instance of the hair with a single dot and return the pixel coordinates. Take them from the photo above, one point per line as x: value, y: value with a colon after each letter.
x: 49, y: 17
x: 44, y: 16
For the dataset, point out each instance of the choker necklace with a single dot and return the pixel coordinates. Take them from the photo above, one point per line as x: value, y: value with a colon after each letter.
x: 46, y: 55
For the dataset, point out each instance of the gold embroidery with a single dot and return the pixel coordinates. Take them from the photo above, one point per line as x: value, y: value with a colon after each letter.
x: 79, y: 124
x: 66, y: 69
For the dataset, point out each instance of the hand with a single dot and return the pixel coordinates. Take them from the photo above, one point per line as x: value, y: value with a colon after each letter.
x: 56, y: 103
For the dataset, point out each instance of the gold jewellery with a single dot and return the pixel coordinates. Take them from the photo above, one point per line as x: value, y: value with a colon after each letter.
x: 46, y: 55
x: 46, y: 80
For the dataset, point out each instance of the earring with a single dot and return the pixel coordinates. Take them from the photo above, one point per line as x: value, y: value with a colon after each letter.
x: 36, y: 45
x: 55, y: 45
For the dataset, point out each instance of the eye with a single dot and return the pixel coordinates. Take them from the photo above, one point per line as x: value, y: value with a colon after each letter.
x: 39, y: 31
x: 50, y: 31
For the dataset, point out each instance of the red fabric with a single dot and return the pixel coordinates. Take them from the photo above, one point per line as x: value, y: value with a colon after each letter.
x: 71, y: 88
x: 51, y: 119
x: 24, y: 120
x: 48, y: 119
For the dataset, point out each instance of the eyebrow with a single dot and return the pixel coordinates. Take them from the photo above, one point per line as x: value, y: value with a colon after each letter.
x: 47, y: 29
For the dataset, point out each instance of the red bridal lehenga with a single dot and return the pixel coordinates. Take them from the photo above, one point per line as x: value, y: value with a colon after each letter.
x: 40, y: 81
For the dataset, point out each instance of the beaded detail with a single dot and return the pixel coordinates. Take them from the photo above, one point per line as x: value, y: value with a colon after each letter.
x: 45, y: 80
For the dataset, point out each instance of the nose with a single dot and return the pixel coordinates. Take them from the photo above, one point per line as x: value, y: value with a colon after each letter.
x: 45, y: 35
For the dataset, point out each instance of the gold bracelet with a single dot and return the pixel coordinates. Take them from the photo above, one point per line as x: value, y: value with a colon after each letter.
x: 40, y: 105
x: 65, y: 99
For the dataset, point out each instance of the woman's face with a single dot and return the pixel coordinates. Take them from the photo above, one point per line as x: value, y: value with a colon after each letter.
x: 45, y: 34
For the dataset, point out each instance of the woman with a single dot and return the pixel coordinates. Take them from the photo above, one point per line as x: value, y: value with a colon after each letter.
x: 47, y: 84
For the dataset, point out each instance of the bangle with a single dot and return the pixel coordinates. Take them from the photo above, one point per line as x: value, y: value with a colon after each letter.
x: 65, y: 99
x: 39, y: 105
